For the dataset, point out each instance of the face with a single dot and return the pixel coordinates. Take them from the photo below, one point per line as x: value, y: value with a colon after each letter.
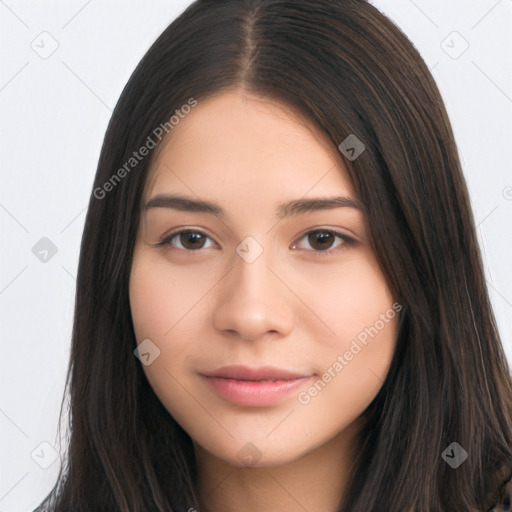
x: 265, y: 330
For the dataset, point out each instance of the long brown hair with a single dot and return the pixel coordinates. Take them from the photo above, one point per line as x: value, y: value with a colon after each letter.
x: 349, y: 70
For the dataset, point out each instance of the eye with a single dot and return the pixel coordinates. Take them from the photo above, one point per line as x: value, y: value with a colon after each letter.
x: 321, y: 240
x: 189, y: 239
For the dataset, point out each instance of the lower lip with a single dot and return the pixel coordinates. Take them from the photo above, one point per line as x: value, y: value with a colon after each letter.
x: 255, y: 393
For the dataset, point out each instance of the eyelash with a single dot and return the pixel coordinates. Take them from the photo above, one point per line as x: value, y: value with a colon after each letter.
x: 166, y: 239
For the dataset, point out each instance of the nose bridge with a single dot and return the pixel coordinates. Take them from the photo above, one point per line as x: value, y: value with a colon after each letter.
x: 253, y: 280
x: 252, y: 268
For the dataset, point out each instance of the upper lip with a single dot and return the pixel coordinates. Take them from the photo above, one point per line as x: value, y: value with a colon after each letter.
x: 261, y: 373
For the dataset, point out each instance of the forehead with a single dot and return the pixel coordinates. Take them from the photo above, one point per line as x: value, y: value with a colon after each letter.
x: 240, y: 144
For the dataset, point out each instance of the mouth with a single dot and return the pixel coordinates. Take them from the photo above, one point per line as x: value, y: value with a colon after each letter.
x: 255, y: 387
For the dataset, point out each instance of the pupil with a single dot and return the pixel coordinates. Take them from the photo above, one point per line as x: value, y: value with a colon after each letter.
x: 321, y: 237
x: 191, y: 238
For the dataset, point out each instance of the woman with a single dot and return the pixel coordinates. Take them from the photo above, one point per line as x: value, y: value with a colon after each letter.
x: 281, y: 302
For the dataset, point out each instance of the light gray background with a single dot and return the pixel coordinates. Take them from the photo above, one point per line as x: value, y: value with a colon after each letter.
x: 54, y: 112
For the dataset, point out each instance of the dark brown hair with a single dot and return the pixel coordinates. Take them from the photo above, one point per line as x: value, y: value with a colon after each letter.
x: 348, y: 69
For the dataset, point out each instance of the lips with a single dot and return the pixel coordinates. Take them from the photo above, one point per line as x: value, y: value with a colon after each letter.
x: 263, y: 373
x: 255, y: 387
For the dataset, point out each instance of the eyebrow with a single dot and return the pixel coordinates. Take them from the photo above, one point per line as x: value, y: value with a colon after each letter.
x: 295, y: 207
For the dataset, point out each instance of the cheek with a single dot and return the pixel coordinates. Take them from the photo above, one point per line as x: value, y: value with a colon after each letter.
x: 347, y: 298
x: 161, y: 305
x: 168, y: 307
x: 159, y: 298
x: 354, y: 354
x: 149, y: 304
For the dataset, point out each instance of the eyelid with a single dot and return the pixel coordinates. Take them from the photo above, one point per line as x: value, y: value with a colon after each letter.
x: 347, y: 239
x: 343, y: 233
x: 164, y: 240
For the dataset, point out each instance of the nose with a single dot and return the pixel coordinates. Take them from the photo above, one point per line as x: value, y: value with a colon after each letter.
x: 254, y: 301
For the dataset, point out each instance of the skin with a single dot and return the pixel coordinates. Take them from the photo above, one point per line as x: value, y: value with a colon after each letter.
x: 295, y: 306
